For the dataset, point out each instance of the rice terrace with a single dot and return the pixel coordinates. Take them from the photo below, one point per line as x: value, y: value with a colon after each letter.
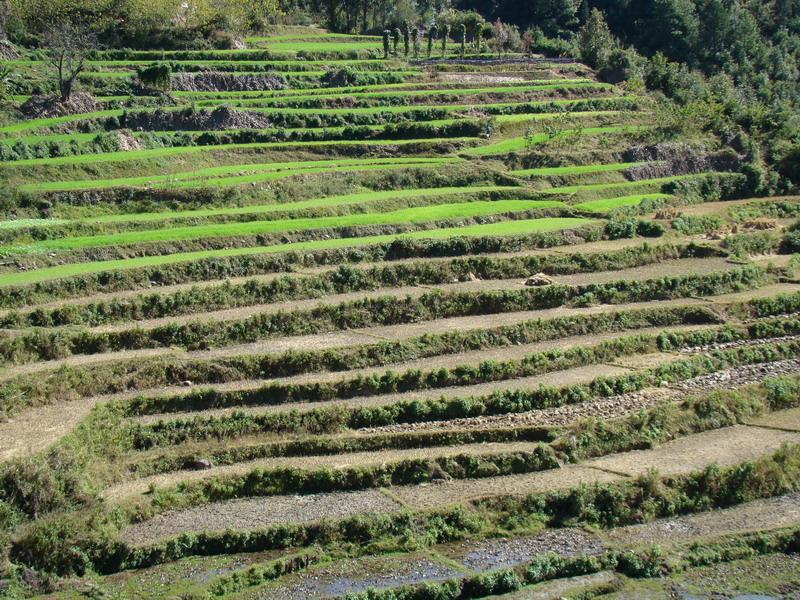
x: 400, y: 299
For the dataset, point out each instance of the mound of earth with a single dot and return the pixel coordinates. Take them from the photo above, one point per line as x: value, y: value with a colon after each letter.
x: 223, y: 117
x: 38, y: 106
x: 213, y: 81
x: 7, y: 50
x: 126, y: 141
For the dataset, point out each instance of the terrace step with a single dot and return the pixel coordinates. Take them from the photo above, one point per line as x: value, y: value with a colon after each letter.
x: 724, y: 447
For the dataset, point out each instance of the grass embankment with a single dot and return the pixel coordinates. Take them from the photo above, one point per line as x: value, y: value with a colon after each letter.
x: 238, y: 174
x: 505, y: 228
x: 422, y: 214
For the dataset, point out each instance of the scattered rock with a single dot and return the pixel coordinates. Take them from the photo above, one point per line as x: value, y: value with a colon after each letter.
x: 39, y: 106
x: 677, y: 158
x: 7, y: 50
x: 439, y: 474
x: 223, y: 117
x: 539, y: 280
x: 213, y: 81
x: 126, y: 141
x: 186, y: 383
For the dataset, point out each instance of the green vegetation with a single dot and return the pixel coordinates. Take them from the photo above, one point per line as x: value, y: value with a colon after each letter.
x: 286, y: 308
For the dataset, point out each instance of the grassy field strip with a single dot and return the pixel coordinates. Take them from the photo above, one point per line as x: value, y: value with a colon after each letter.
x: 311, y: 47
x: 85, y: 138
x: 519, y: 144
x: 266, y: 208
x: 181, y: 150
x: 408, y: 215
x: 312, y: 36
x: 725, y: 447
x: 136, y: 487
x: 575, y: 170
x: 527, y: 117
x: 609, y: 204
x: 520, y: 227
x: 575, y: 189
x: 454, y: 87
x: 50, y: 121
x: 131, y: 64
x: 34, y: 124
x: 411, y: 109
x: 234, y: 180
x: 672, y: 268
x: 239, y: 173
x: 297, y: 96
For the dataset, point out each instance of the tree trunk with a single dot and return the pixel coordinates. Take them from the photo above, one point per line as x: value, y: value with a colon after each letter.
x: 66, y: 89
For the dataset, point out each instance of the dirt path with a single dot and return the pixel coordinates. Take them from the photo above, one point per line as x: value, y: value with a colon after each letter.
x: 724, y: 447
x: 669, y: 268
x: 335, y: 461
x: 234, y: 314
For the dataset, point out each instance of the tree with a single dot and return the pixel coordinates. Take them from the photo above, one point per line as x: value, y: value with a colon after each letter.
x: 595, y: 41
x: 583, y: 12
x: 463, y: 37
x: 505, y: 37
x: 431, y: 37
x: 445, y: 35
x: 386, y: 34
x: 415, y: 41
x: 395, y: 40
x: 406, y: 40
x: 553, y: 16
x: 68, y: 47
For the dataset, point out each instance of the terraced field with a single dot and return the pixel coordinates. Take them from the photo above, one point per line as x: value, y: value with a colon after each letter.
x: 443, y: 329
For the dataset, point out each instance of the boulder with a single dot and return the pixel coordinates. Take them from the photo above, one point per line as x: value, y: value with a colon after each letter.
x: 539, y: 280
x: 200, y: 464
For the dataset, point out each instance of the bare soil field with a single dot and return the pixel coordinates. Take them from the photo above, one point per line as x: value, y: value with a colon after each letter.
x: 254, y: 513
x: 770, y: 513
x: 788, y: 420
x: 724, y: 447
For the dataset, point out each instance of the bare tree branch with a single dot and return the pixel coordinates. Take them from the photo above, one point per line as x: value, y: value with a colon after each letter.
x: 68, y: 46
